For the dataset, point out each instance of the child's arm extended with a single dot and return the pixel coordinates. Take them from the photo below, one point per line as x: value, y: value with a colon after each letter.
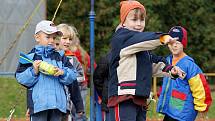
x: 159, y: 63
x: 142, y: 41
x: 200, y: 88
x: 162, y: 68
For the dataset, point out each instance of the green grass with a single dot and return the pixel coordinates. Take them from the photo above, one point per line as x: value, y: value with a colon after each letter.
x: 153, y: 114
x: 212, y: 108
x: 12, y: 93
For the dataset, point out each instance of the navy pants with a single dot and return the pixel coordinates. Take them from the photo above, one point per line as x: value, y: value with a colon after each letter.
x: 127, y: 111
x: 47, y: 115
x: 168, y: 118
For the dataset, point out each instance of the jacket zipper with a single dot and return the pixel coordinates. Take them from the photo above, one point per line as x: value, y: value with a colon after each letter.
x: 166, y: 89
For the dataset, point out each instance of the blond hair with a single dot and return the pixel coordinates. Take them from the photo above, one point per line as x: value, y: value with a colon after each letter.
x: 74, y: 35
x: 66, y: 27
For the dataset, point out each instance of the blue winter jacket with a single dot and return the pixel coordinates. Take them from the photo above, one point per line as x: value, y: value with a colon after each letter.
x: 47, y: 91
x: 181, y: 99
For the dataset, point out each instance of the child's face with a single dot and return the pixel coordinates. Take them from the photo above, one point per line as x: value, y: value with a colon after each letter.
x: 135, y: 20
x: 66, y: 40
x: 45, y: 39
x: 176, y: 48
x: 57, y: 45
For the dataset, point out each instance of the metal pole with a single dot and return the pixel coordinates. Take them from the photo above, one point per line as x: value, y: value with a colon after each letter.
x: 155, y: 96
x: 92, y: 95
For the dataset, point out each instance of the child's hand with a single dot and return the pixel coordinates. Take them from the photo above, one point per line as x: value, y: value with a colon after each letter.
x: 202, y: 115
x: 36, y: 64
x: 27, y: 114
x: 80, y: 113
x: 170, y: 40
x: 174, y: 70
x: 58, y: 71
x: 177, y: 71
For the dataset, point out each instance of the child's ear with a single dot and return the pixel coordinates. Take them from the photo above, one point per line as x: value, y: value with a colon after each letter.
x: 36, y: 36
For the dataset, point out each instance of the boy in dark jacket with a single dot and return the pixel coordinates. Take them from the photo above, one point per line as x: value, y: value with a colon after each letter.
x: 101, y: 79
x: 131, y: 64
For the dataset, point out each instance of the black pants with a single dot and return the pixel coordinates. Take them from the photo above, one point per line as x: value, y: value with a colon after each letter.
x: 127, y: 111
x: 47, y: 115
x: 168, y: 118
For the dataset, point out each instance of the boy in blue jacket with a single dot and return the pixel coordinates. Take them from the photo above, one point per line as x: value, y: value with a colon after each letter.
x: 48, y: 95
x: 182, y: 99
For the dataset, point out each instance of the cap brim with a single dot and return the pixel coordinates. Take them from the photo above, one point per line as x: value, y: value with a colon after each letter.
x: 59, y: 33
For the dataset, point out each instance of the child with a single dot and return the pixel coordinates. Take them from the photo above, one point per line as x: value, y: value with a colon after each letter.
x: 101, y: 79
x: 84, y: 59
x: 82, y: 56
x: 181, y: 99
x: 48, y: 95
x: 131, y: 64
x: 73, y: 91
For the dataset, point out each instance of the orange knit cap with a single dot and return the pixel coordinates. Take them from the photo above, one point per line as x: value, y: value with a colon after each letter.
x: 127, y: 6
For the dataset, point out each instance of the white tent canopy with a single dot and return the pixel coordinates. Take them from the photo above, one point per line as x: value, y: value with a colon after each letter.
x: 13, y: 15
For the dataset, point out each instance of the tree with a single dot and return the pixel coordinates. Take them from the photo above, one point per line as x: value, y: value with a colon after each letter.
x: 197, y: 16
x: 76, y: 12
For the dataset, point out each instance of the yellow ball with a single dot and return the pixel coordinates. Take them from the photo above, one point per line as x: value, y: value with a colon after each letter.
x: 46, y: 68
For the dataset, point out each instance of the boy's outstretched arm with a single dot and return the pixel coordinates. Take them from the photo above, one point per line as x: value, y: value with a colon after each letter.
x: 160, y: 66
x: 159, y: 63
x: 142, y: 41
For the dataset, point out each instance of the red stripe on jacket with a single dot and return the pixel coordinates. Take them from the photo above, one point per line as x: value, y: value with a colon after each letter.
x: 208, y: 98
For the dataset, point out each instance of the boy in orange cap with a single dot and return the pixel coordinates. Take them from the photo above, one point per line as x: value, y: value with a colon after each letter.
x: 131, y: 64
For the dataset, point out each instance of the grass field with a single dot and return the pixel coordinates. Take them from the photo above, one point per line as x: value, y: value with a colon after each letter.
x: 11, y: 93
